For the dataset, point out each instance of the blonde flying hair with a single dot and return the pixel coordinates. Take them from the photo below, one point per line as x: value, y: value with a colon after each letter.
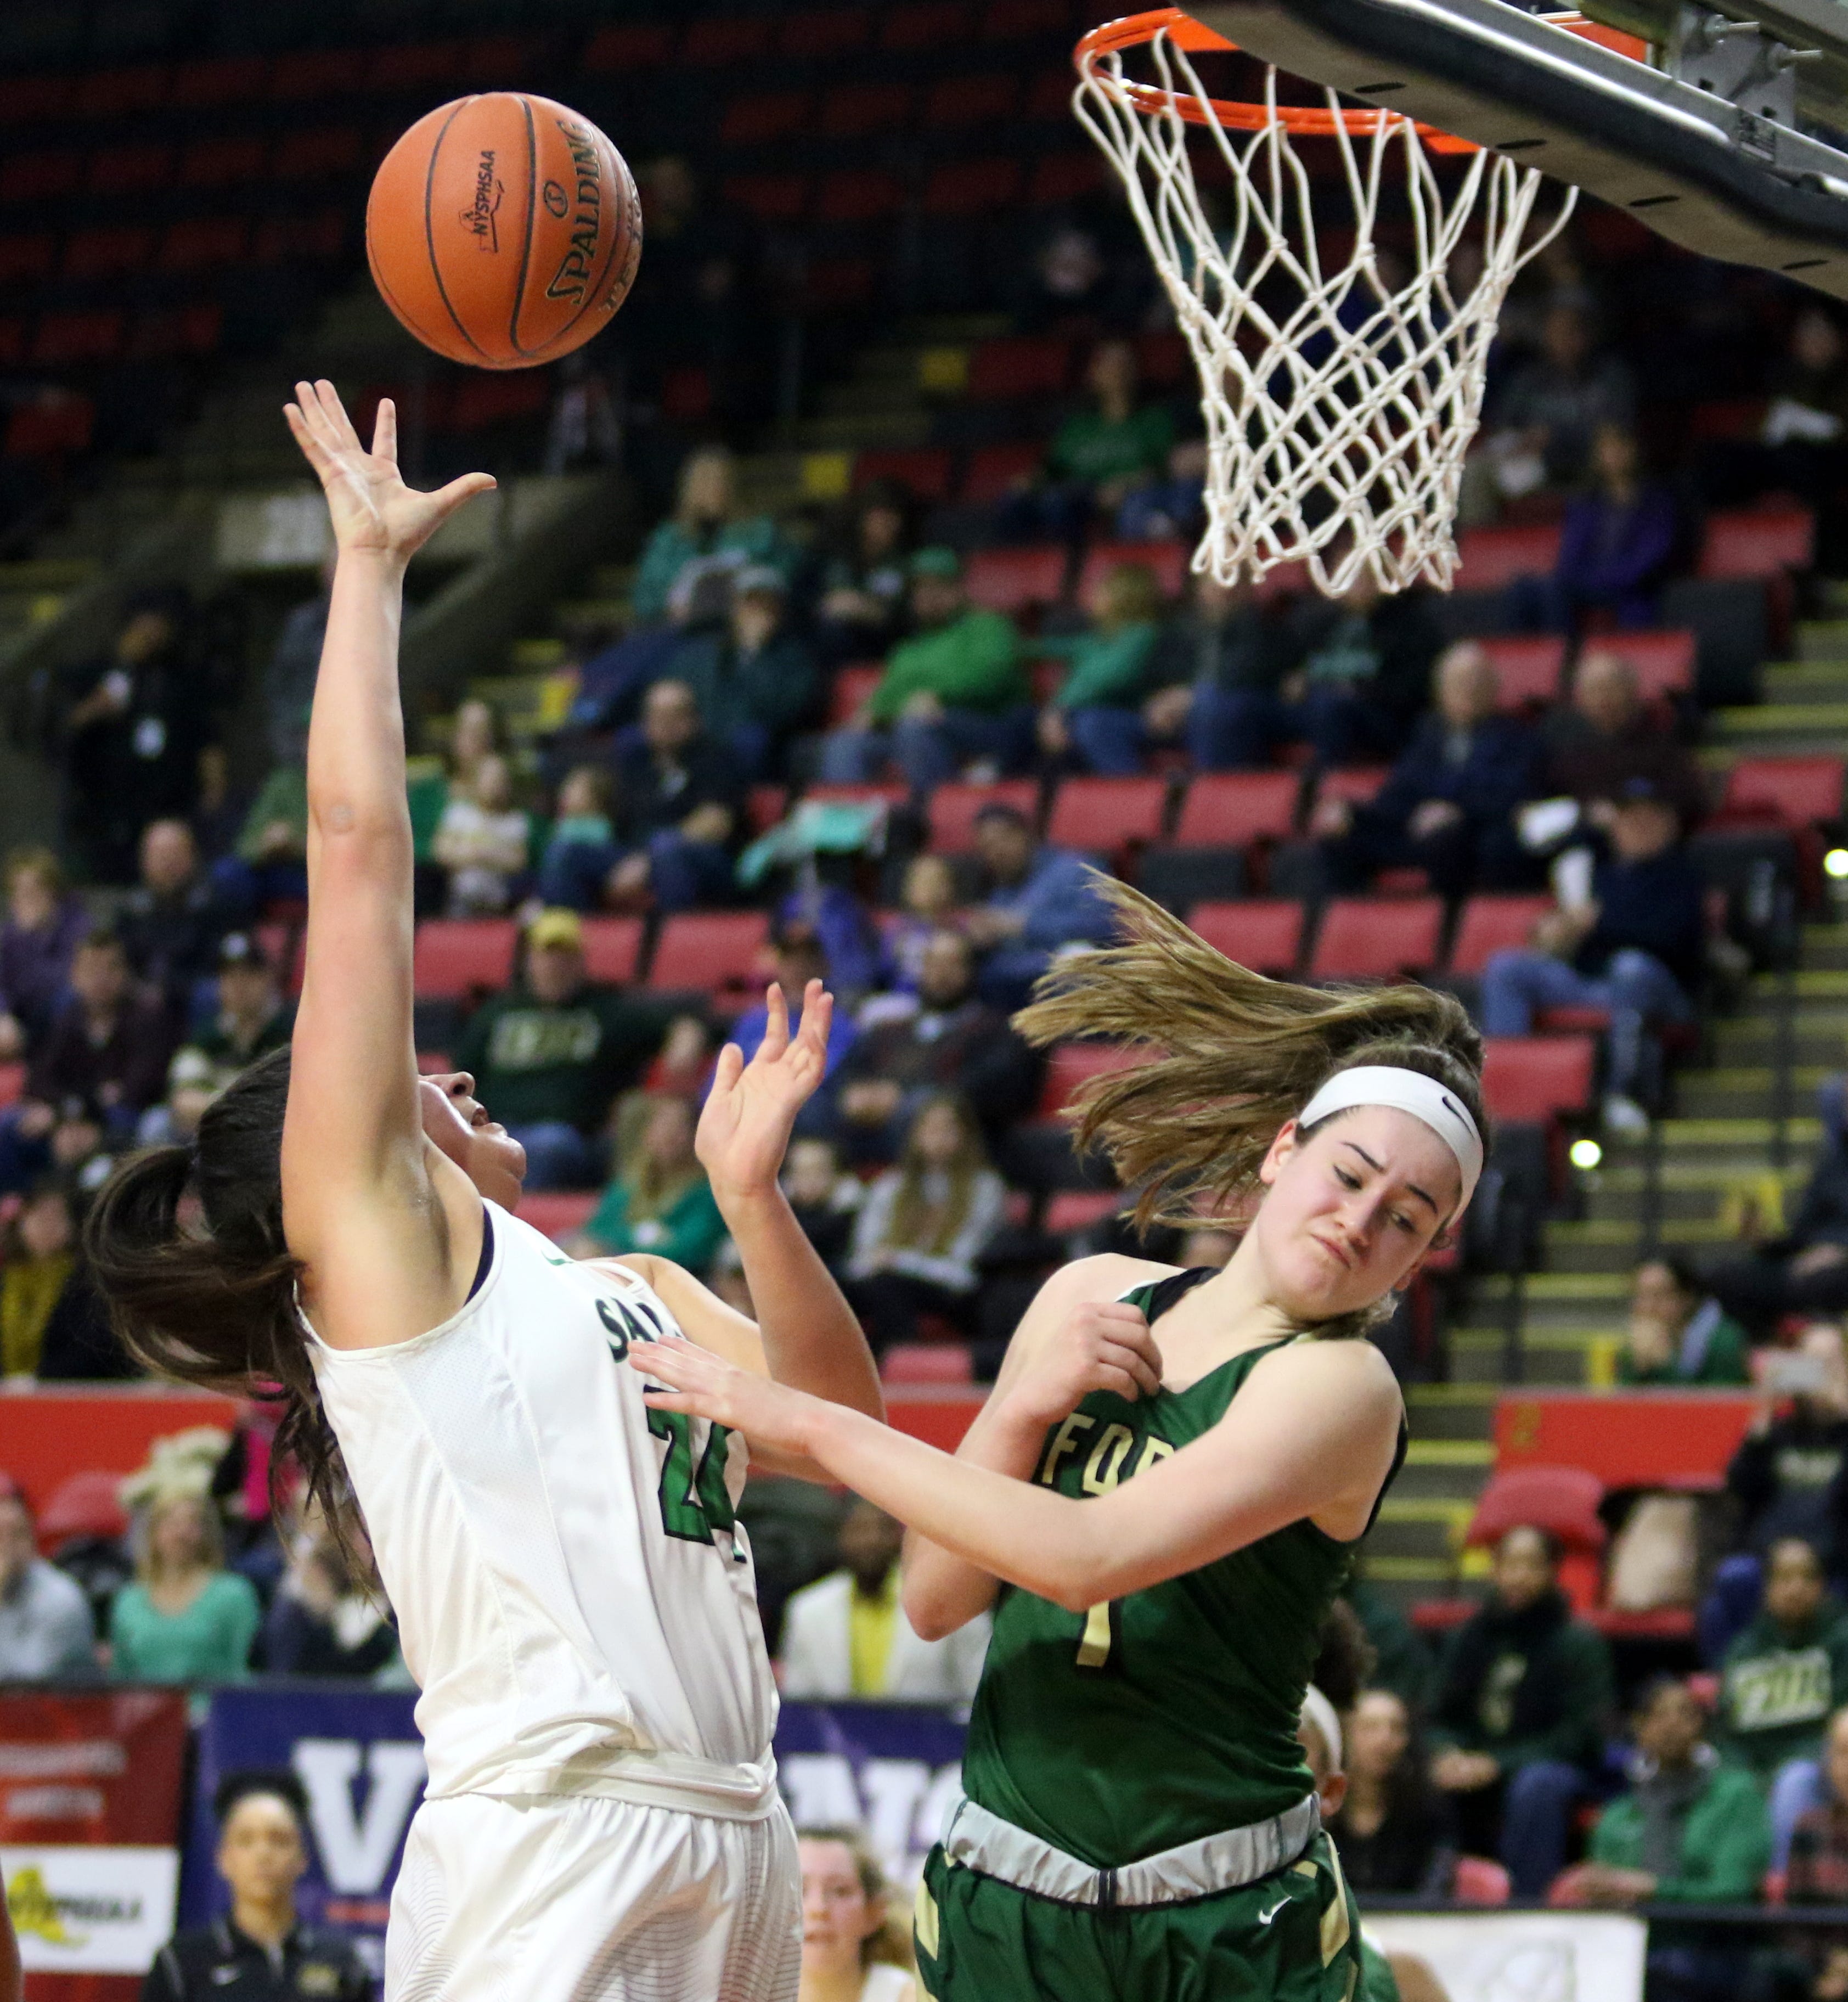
x: 1227, y: 1056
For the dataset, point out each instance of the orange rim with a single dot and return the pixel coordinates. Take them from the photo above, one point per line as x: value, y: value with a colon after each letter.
x: 1306, y: 121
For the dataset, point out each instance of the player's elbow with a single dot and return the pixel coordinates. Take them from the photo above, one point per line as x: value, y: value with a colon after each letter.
x: 933, y: 1614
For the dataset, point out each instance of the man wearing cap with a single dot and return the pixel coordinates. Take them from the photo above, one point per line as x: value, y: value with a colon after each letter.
x: 550, y: 1053
x: 171, y: 922
x: 253, y: 1018
x: 1636, y: 949
x: 752, y: 678
x: 953, y: 694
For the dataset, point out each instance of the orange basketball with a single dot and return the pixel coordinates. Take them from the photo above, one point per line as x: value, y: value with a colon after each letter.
x: 503, y: 230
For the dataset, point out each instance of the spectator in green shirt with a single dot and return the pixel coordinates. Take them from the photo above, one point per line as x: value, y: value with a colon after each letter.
x: 1098, y: 457
x: 660, y: 1201
x: 549, y: 1055
x: 707, y: 529
x: 1781, y: 1680
x: 1690, y: 1831
x: 184, y: 1618
x: 1679, y: 1334
x: 953, y: 694
x: 1094, y: 721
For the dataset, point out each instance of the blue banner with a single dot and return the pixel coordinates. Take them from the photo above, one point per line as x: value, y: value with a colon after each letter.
x: 891, y: 1768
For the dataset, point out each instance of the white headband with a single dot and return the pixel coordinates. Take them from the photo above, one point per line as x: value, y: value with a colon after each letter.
x: 1406, y: 1091
x: 1318, y: 1710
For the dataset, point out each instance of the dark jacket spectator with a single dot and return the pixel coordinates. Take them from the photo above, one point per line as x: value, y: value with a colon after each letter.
x: 1647, y: 901
x: 1618, y: 541
x: 953, y: 1042
x: 862, y: 610
x: 1678, y: 1332
x: 171, y: 922
x: 1038, y: 900
x: 133, y: 733
x: 253, y: 1018
x: 1816, y: 1873
x: 549, y: 1056
x: 754, y: 680
x: 1805, y: 1269
x: 1389, y: 1830
x: 43, y: 924
x: 1227, y: 649
x: 823, y: 1198
x: 1448, y: 807
x: 1787, y: 1673
x: 1558, y: 400
x: 1524, y: 1693
x: 322, y: 1620
x: 105, y: 1058
x: 294, y: 666
x: 679, y: 806
x: 1604, y: 739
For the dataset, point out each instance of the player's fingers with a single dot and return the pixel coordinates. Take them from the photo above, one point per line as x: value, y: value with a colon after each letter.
x: 777, y: 1024
x: 1145, y: 1374
x: 385, y: 430
x: 1119, y: 1382
x: 730, y: 1066
x: 303, y: 436
x: 449, y: 498
x: 817, y: 1012
x: 337, y: 414
x: 313, y: 418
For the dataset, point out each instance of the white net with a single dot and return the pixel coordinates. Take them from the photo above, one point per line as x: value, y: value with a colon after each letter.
x: 1340, y: 397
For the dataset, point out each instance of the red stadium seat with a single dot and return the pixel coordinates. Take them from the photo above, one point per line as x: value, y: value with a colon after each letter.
x: 819, y: 32
x: 1263, y: 933
x: 1528, y: 671
x: 635, y: 45
x: 769, y: 197
x: 1562, y: 1501
x: 764, y: 806
x: 1011, y: 581
x: 1070, y: 1063
x: 82, y: 1505
x: 65, y: 339
x: 1663, y: 661
x: 709, y: 951
x: 1537, y: 1078
x: 107, y: 253
x: 1070, y: 1210
x: 928, y: 1362
x: 1492, y: 558
x: 926, y: 25
x: 1799, y: 792
x: 995, y: 470
x: 925, y: 470
x: 26, y: 257
x: 1758, y: 541
x: 212, y: 163
x: 12, y: 1082
x: 1232, y: 809
x: 612, y: 949
x: 971, y: 187
x: 1103, y: 815
x: 1018, y: 365
x: 1492, y: 925
x: 1168, y: 561
x: 1060, y: 177
x: 560, y: 1213
x: 1357, y: 784
x: 893, y: 795
x: 121, y: 170
x: 970, y: 100
x: 851, y: 686
x: 1008, y: 20
x: 454, y: 956
x: 202, y: 242
x: 317, y: 153
x: 1377, y: 938
x: 758, y: 120
x: 952, y: 809
x: 215, y: 81
x: 850, y: 111
x: 860, y: 195
x: 723, y: 39
x: 50, y: 426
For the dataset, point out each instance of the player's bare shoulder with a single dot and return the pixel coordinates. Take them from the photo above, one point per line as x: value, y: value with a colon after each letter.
x: 1106, y: 1275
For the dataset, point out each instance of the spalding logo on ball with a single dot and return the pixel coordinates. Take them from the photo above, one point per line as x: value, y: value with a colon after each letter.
x: 503, y: 230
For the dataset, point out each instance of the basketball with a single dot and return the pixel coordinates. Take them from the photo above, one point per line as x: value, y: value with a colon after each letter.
x: 503, y: 230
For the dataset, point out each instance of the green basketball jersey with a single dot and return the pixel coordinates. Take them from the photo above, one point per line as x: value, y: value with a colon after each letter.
x: 1172, y: 1713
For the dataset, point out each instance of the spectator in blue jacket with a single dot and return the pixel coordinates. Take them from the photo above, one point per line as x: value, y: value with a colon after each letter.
x: 1636, y: 949
x: 800, y: 957
x: 1040, y: 901
x: 1448, y: 807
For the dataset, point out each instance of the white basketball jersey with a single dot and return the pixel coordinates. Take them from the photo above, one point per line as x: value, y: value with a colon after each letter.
x: 574, y: 1596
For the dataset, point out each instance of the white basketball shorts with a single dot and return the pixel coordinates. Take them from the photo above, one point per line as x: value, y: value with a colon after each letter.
x: 584, y: 1899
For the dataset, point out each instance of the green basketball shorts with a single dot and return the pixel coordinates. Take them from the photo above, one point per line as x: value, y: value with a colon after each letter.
x: 1292, y: 1936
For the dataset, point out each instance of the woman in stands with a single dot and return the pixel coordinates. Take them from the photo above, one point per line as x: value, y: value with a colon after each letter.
x: 1168, y: 1483
x: 573, y: 1596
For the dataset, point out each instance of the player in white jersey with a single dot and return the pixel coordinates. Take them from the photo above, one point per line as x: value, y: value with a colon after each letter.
x: 573, y: 1593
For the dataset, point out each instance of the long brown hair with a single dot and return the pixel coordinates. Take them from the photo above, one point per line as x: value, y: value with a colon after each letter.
x: 913, y: 1213
x: 1229, y: 1056
x: 186, y: 1244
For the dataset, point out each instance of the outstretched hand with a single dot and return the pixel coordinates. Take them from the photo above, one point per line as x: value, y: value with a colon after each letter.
x: 372, y: 507
x: 771, y: 1416
x: 745, y: 1126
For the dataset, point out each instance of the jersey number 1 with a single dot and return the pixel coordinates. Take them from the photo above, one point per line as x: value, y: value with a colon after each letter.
x: 694, y: 1500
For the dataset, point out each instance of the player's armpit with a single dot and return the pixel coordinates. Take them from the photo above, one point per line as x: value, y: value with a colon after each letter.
x: 705, y: 1319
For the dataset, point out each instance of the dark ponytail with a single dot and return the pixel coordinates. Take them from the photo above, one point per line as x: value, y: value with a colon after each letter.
x: 186, y: 1244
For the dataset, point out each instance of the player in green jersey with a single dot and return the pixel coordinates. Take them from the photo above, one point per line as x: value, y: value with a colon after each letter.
x: 1161, y: 1496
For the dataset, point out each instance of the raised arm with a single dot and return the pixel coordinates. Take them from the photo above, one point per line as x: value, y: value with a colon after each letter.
x: 353, y: 1149
x: 1311, y: 1434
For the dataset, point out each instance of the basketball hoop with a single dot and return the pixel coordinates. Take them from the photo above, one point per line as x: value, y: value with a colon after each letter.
x: 1339, y: 404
